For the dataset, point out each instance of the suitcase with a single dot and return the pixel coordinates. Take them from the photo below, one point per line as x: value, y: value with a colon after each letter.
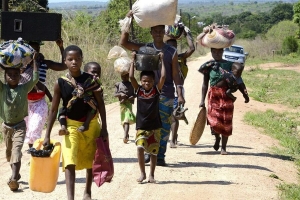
x: 31, y: 26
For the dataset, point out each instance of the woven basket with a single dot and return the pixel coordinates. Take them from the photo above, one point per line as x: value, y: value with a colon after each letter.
x: 198, y: 127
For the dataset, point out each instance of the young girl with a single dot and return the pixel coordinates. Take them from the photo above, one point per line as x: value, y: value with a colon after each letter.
x: 78, y: 149
x: 148, y: 122
x: 13, y: 108
x: 125, y: 92
x: 92, y: 68
x: 37, y: 105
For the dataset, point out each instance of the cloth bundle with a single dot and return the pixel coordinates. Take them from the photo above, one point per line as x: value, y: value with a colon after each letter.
x: 122, y: 63
x: 176, y: 30
x: 151, y: 13
x: 216, y: 36
x: 15, y: 54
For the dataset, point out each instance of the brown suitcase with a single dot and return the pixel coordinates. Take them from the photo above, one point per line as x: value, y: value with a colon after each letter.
x: 30, y: 26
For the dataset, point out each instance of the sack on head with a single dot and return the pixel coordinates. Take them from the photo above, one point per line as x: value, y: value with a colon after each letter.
x: 216, y: 36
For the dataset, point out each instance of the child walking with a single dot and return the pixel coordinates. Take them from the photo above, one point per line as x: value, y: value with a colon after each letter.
x: 92, y: 68
x: 125, y: 92
x: 78, y: 149
x: 148, y: 122
x: 13, y: 106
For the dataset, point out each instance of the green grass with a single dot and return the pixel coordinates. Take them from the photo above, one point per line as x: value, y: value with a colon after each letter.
x: 277, y: 86
x: 273, y: 86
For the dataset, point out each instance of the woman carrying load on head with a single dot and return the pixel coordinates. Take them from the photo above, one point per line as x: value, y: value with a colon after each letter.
x: 220, y: 106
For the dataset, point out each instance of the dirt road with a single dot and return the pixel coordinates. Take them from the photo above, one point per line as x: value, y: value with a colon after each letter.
x: 193, y: 172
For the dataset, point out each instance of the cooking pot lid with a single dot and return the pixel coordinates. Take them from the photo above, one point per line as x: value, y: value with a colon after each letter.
x: 147, y: 50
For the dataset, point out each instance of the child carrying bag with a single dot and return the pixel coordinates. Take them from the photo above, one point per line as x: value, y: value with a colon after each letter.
x: 103, y: 167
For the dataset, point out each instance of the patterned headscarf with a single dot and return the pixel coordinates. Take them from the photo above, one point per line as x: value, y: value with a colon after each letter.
x: 15, y: 54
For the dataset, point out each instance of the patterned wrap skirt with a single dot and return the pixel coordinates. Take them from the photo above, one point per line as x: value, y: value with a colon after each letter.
x: 148, y: 140
x: 220, y: 111
x: 36, y: 119
x: 127, y: 116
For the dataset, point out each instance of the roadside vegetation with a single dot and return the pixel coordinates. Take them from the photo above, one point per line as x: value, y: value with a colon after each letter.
x: 278, y: 86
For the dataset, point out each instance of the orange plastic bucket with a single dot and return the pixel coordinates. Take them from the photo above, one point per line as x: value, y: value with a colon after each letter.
x: 44, y: 170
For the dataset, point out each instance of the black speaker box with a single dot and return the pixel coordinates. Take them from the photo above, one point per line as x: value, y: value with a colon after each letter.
x: 30, y: 26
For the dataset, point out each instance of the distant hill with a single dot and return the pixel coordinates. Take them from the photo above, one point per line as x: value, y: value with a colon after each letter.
x: 102, y: 5
x: 76, y: 4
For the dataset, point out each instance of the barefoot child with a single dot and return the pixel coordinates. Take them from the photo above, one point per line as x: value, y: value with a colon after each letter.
x: 125, y: 92
x: 92, y: 68
x: 13, y: 106
x: 148, y: 122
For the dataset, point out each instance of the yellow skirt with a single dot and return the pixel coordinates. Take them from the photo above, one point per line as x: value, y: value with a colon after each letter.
x: 79, y: 148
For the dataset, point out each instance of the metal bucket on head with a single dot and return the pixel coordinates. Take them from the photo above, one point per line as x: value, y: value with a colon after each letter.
x: 147, y: 59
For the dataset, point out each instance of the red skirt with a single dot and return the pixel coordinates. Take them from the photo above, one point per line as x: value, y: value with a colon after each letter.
x: 220, y: 111
x: 34, y: 96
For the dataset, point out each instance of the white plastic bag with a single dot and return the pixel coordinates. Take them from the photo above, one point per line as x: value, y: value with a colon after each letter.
x: 122, y: 65
x: 117, y: 52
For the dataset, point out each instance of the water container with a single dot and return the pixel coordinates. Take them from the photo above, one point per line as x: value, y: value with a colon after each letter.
x: 44, y: 170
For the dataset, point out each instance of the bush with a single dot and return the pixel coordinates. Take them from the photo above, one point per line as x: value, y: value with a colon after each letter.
x: 289, y: 45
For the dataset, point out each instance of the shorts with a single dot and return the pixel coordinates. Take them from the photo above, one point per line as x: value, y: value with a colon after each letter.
x: 14, y: 137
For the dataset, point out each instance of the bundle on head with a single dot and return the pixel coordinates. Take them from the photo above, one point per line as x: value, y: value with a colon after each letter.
x: 216, y: 36
x: 15, y: 54
x: 174, y: 31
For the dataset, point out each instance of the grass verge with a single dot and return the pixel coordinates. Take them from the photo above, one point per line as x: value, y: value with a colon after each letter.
x: 274, y: 86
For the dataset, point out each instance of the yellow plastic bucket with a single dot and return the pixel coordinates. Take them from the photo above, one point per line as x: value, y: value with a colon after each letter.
x: 44, y: 170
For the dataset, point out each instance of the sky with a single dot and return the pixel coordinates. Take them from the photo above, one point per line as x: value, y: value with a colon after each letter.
x: 56, y: 1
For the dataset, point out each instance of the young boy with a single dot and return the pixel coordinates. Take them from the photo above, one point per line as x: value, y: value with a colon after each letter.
x: 13, y: 109
x: 233, y: 78
x: 125, y: 92
x: 148, y: 121
x: 92, y: 68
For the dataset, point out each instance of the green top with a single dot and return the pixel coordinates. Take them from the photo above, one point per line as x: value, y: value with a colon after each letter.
x: 14, y: 106
x: 215, y: 76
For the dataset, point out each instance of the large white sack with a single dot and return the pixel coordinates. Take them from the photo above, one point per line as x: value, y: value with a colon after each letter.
x: 148, y: 13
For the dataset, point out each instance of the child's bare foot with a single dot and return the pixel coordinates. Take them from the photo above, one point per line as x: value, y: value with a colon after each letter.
x: 87, y: 196
x: 142, y: 178
x: 151, y: 179
x: 126, y: 139
x: 172, y: 144
x: 82, y: 129
x: 63, y: 131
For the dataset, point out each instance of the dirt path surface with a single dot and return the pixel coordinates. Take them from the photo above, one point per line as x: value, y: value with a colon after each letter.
x: 193, y: 172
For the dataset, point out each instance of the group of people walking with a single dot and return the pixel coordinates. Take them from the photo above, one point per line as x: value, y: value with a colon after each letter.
x: 83, y: 104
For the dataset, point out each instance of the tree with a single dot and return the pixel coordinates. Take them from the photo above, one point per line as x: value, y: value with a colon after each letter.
x: 117, y: 10
x: 283, y: 11
x: 296, y: 17
x: 27, y: 5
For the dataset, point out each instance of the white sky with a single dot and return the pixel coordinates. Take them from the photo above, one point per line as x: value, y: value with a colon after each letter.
x: 56, y: 1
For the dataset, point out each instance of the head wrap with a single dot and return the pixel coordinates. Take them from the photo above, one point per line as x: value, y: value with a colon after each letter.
x: 15, y: 54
